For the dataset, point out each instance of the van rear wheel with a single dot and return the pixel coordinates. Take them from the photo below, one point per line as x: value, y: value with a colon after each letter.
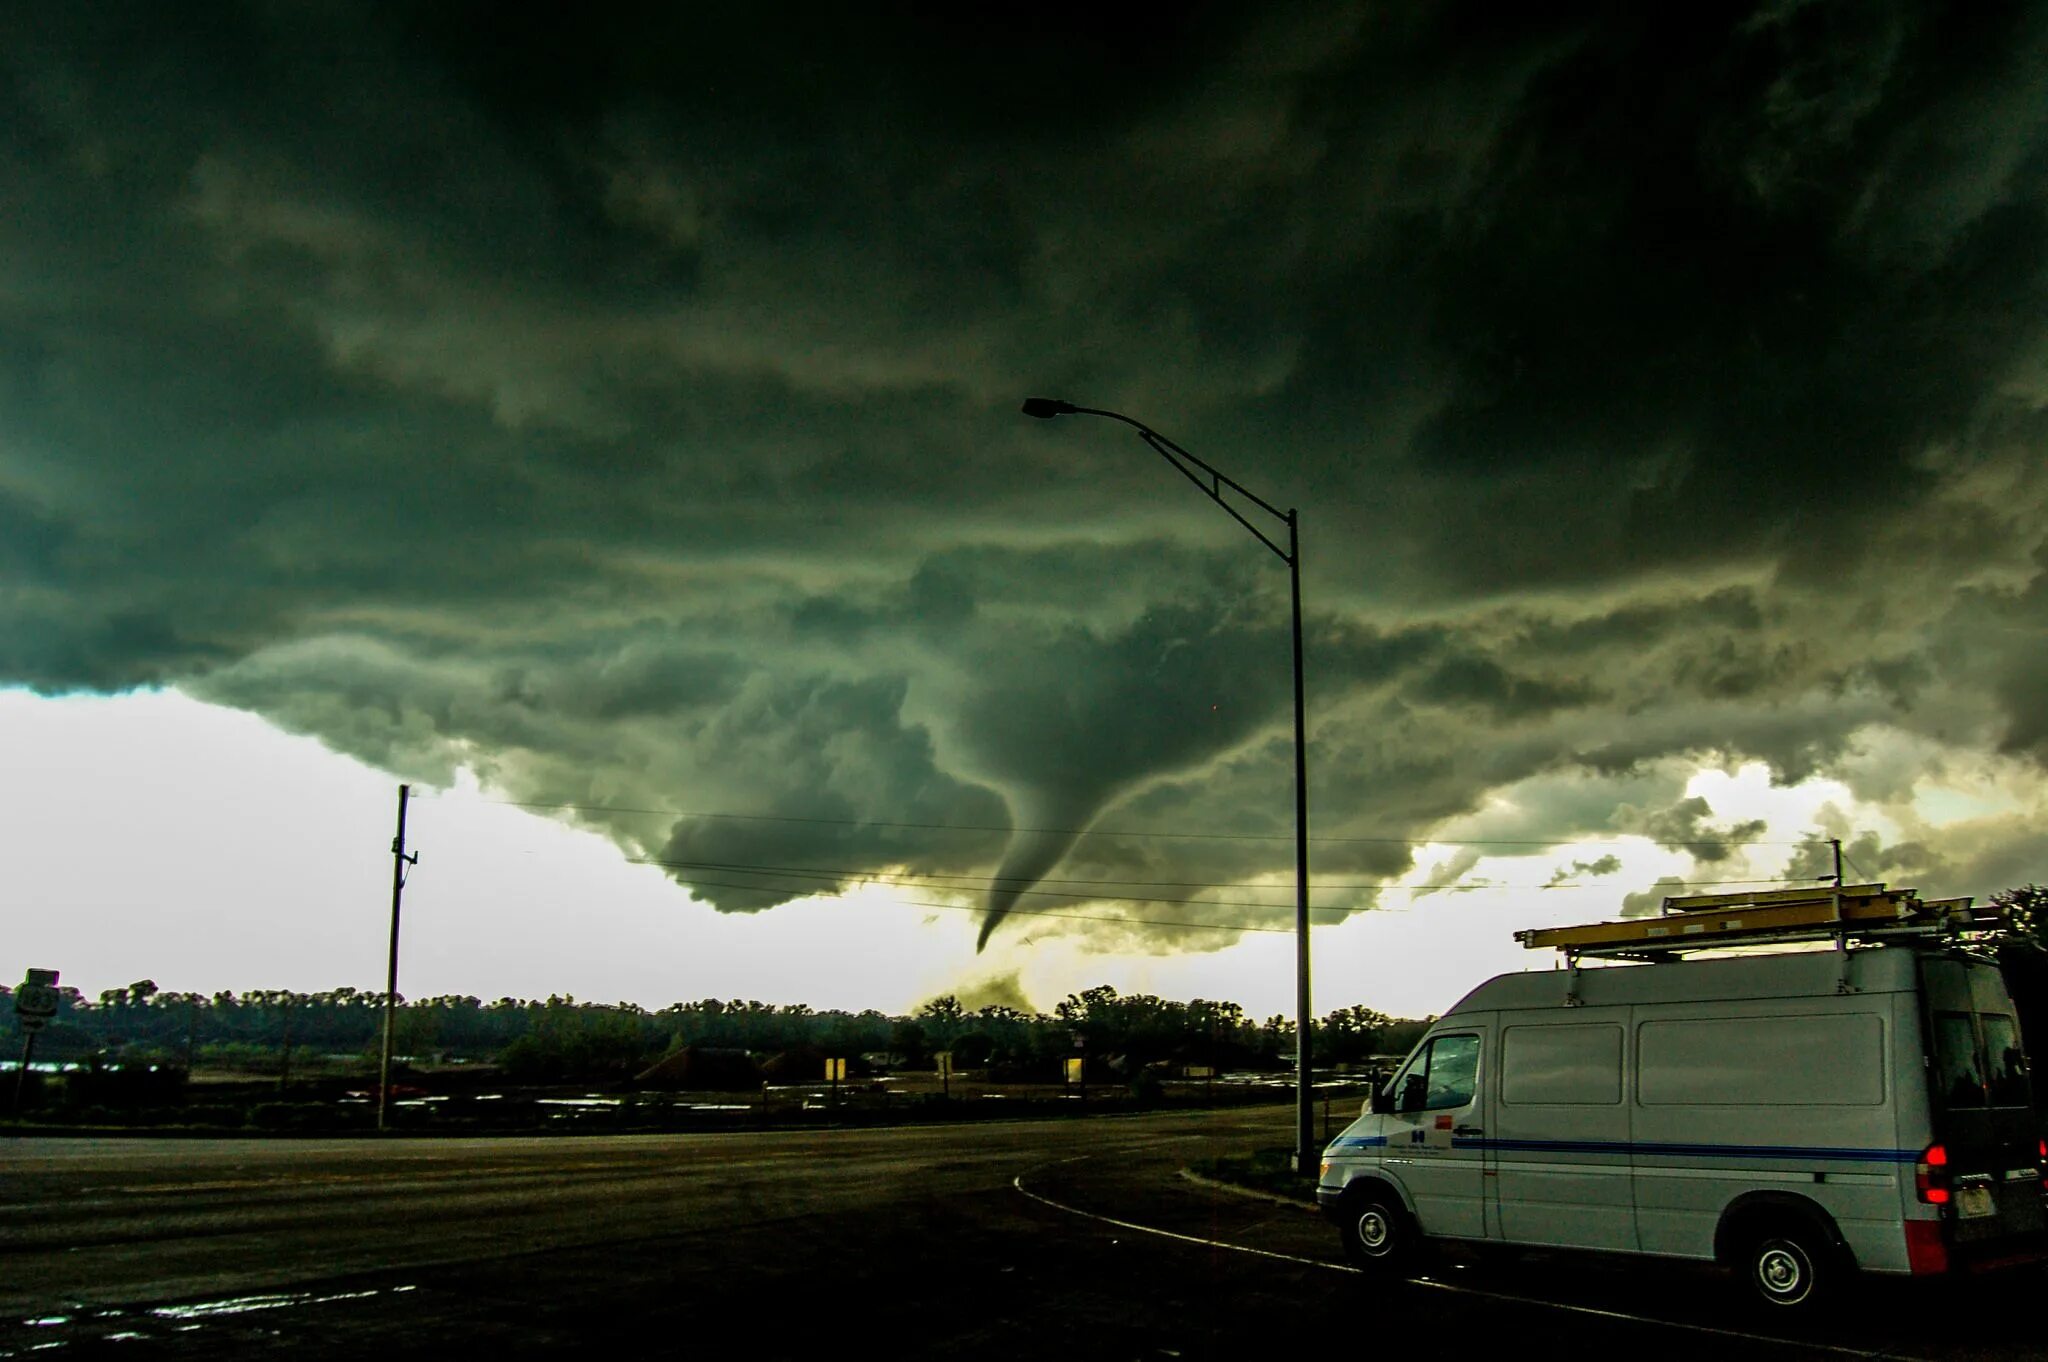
x: 1789, y: 1268
x: 1378, y: 1235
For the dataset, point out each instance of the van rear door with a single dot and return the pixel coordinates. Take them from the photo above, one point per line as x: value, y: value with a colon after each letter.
x: 1981, y: 1096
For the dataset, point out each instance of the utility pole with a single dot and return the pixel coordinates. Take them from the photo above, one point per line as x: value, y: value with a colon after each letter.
x: 399, y: 861
x: 284, y: 1072
x: 1841, y: 932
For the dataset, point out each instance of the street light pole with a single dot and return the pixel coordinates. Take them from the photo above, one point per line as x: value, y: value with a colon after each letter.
x: 1214, y: 484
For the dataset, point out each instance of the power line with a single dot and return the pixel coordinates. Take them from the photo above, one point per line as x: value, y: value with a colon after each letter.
x: 1040, y: 912
x: 1125, y: 920
x: 1029, y: 883
x: 1110, y: 832
x: 833, y: 881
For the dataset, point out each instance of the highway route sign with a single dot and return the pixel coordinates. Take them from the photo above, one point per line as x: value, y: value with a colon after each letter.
x: 35, y: 1002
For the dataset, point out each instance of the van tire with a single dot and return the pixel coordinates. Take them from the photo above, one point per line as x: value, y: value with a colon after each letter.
x: 1789, y: 1267
x: 1378, y: 1235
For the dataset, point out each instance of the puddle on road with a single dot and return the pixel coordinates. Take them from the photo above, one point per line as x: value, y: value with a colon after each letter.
x: 122, y: 1325
x: 243, y: 1305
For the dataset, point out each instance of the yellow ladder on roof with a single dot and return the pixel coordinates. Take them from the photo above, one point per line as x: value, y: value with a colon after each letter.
x: 1706, y: 921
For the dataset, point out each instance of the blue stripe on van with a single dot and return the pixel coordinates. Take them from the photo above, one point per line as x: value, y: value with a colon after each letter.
x: 1646, y: 1150
x: 1358, y: 1142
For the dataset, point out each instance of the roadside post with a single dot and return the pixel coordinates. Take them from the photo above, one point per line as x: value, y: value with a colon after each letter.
x: 944, y: 1060
x: 35, y: 1002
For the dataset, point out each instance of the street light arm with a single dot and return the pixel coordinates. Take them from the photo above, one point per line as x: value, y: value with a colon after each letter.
x: 1213, y: 488
x: 1045, y: 408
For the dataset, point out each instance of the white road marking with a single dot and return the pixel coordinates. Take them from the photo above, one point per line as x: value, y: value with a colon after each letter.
x: 1594, y: 1311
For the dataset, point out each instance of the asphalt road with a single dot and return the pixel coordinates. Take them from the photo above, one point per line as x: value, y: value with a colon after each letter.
x: 1067, y: 1239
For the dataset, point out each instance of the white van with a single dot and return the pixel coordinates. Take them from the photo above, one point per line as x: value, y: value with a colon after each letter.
x: 1794, y: 1115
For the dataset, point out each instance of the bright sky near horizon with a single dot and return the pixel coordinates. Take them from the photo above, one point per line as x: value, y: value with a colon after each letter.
x: 158, y: 837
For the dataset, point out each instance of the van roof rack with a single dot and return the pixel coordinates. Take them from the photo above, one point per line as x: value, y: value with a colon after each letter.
x: 1838, y: 914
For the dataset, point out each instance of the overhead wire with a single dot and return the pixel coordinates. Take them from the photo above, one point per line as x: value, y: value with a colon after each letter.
x: 1121, y: 920
x: 928, y: 879
x: 570, y: 807
x: 833, y: 884
x: 833, y: 879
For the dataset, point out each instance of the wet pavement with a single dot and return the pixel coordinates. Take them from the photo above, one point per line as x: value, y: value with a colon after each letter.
x: 1076, y: 1239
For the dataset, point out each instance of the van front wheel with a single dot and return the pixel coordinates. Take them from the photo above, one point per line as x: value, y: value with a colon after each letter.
x: 1789, y: 1268
x: 1378, y: 1235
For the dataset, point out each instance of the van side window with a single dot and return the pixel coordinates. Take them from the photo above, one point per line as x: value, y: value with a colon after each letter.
x: 1551, y: 1065
x: 1443, y: 1076
x: 1812, y: 1060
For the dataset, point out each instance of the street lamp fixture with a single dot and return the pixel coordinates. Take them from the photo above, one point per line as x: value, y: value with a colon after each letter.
x: 1230, y: 494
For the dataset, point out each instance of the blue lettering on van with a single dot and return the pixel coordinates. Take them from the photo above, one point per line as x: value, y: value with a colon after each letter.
x: 1626, y: 1149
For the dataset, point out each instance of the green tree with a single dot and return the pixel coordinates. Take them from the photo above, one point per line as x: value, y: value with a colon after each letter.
x: 940, y: 1021
x: 2023, y: 957
x: 1350, y: 1034
x: 2026, y: 914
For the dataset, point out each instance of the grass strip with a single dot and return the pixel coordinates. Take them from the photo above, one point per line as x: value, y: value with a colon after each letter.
x: 1260, y: 1170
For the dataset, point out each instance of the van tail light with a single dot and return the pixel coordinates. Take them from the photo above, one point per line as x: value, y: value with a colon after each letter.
x: 1930, y: 1175
x: 2042, y: 1164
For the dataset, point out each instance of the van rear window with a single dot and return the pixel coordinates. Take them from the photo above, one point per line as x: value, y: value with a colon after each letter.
x: 1978, y: 1061
x: 1811, y: 1061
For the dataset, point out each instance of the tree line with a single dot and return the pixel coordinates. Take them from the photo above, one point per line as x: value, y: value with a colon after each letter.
x: 272, y: 1030
x: 563, y: 1038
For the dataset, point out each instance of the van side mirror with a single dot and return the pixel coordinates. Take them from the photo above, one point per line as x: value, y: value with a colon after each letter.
x: 1381, y: 1102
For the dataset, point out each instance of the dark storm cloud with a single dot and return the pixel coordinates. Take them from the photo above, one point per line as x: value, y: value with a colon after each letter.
x: 1684, y: 825
x: 1604, y: 865
x: 623, y: 404
x: 1650, y: 902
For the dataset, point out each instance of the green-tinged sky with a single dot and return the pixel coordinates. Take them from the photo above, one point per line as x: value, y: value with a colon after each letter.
x: 619, y: 409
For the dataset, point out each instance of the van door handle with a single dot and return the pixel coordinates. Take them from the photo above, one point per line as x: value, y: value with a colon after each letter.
x: 1467, y: 1130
